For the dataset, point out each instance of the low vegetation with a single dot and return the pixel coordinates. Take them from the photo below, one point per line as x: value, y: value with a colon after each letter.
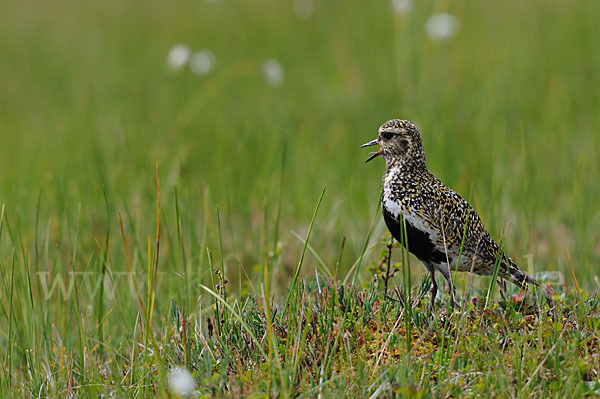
x: 213, y: 274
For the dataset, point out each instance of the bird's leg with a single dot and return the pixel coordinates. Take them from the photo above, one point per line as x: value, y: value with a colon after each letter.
x: 453, y: 301
x: 451, y: 289
x: 433, y: 290
x: 503, y: 290
x: 452, y: 293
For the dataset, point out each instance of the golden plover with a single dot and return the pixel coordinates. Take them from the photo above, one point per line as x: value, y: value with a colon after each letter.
x: 434, y: 215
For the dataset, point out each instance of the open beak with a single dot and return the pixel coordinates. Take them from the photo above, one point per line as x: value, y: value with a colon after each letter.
x: 373, y: 154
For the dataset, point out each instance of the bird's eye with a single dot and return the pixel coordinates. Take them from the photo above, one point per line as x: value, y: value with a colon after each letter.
x: 387, y: 135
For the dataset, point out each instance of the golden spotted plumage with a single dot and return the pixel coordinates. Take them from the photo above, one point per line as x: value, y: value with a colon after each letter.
x: 435, y: 216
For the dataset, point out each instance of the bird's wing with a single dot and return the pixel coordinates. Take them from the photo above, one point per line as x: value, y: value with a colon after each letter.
x: 450, y: 213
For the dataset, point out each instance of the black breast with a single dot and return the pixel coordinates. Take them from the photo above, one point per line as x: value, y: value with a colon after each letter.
x: 419, y: 243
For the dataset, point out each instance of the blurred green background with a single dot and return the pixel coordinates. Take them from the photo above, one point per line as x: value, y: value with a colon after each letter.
x: 507, y: 104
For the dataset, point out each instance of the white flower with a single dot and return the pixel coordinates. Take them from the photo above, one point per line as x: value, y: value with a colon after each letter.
x: 202, y: 62
x: 304, y: 8
x: 273, y: 72
x: 402, y: 7
x: 181, y: 382
x: 441, y: 26
x: 178, y: 57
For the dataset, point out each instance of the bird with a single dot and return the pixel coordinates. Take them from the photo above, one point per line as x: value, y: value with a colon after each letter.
x: 431, y: 220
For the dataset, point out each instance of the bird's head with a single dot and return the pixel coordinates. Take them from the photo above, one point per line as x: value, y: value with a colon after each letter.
x: 399, y: 142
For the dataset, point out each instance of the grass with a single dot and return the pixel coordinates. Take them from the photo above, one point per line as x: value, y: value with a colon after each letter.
x: 108, y: 264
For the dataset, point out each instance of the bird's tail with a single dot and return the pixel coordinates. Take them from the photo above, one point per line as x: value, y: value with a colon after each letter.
x: 521, y: 279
